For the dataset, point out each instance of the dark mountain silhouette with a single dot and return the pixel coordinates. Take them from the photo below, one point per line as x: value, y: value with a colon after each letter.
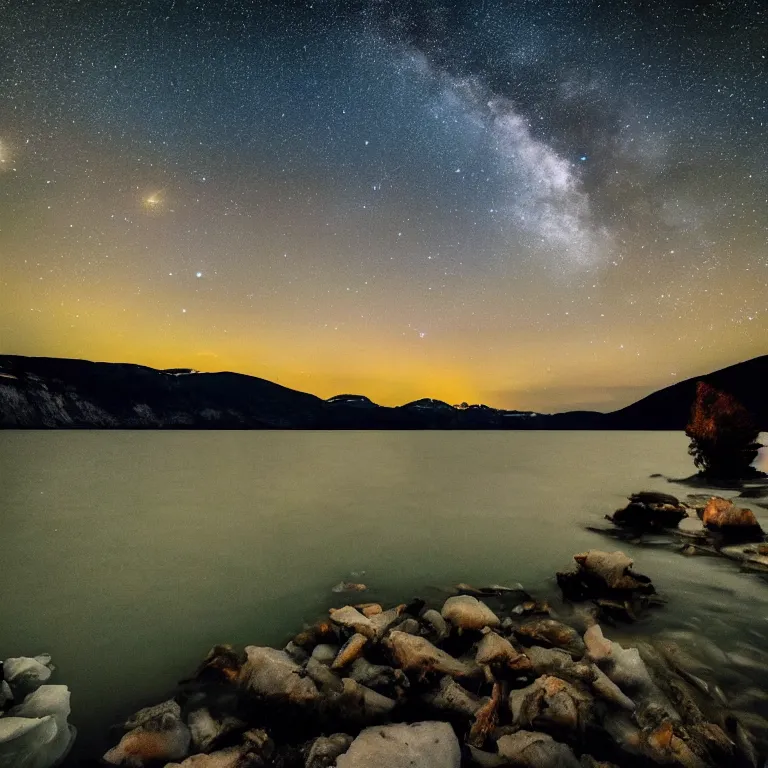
x: 44, y: 393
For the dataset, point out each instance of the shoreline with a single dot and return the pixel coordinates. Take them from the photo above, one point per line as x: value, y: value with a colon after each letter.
x: 492, y: 676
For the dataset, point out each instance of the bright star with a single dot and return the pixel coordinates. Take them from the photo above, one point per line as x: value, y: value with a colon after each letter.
x: 198, y: 274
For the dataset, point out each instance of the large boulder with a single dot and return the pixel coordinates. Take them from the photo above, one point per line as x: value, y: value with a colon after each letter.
x: 732, y: 522
x: 273, y: 674
x: 467, y: 612
x: 650, y: 511
x: 530, y: 749
x: 421, y: 745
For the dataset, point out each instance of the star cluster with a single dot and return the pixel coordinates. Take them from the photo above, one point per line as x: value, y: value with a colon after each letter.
x: 532, y: 204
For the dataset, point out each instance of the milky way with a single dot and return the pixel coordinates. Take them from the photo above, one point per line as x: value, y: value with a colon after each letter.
x: 536, y: 205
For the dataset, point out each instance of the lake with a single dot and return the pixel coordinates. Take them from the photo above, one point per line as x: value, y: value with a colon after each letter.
x: 128, y: 554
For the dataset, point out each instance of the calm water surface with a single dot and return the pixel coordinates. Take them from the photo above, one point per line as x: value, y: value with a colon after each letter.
x: 128, y: 554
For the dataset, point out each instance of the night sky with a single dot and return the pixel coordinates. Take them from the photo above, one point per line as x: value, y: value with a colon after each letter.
x: 538, y: 205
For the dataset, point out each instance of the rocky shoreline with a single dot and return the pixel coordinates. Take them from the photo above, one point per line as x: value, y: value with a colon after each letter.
x: 489, y: 677
x: 700, y: 525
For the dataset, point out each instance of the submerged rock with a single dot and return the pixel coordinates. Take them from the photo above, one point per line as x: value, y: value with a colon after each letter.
x: 530, y: 749
x: 467, y: 612
x: 420, y: 745
x: 349, y: 586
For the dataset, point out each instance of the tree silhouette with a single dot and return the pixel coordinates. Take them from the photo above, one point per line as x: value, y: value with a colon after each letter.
x: 723, y: 435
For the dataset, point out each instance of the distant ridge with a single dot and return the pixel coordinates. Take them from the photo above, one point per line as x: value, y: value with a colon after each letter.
x: 62, y: 393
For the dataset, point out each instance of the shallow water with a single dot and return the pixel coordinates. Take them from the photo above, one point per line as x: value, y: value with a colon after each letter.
x: 128, y: 554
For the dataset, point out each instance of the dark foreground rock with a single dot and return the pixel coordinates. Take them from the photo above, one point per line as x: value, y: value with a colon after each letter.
x: 476, y: 681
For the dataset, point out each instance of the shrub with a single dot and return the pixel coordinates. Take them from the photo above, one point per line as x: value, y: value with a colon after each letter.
x: 723, y: 435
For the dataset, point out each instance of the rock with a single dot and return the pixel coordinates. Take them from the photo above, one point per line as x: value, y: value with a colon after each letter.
x: 467, y: 612
x: 375, y: 675
x: 24, y: 674
x: 321, y: 632
x: 531, y: 607
x: 650, y: 511
x: 598, y: 648
x: 551, y: 634
x: 352, y: 619
x: 6, y: 694
x: 205, y: 729
x: 296, y: 652
x: 326, y: 749
x: 349, y: 586
x: 46, y: 737
x: 29, y: 742
x: 436, y: 623
x: 369, y: 609
x: 350, y: 651
x: 554, y: 661
x: 494, y: 649
x: 551, y: 703
x: 143, y: 745
x: 417, y: 654
x: 154, y: 716
x: 607, y: 579
x: 604, y: 687
x: 325, y: 653
x: 529, y: 749
x: 449, y: 696
x: 612, y: 570
x: 232, y: 757
x: 663, y: 745
x: 222, y: 663
x: 735, y: 523
x: 363, y: 704
x: 274, y: 674
x: 420, y: 745
x: 486, y: 718
x: 481, y: 759
x: 410, y: 626
x: 383, y: 621
x: 322, y: 676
